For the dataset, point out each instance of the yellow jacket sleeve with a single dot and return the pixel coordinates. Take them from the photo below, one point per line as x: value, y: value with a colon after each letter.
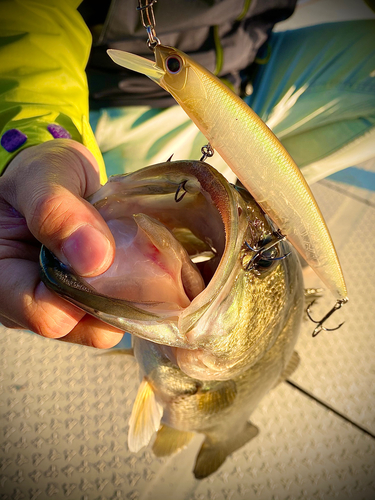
x: 44, y: 48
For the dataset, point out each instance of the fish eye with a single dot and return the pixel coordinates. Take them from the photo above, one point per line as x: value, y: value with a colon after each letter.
x: 268, y: 256
x: 268, y: 259
x: 173, y: 64
x: 264, y: 260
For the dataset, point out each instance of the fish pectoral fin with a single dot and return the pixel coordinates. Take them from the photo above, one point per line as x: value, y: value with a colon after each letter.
x: 217, y: 398
x: 214, y: 452
x: 169, y: 441
x: 145, y: 418
x: 290, y: 368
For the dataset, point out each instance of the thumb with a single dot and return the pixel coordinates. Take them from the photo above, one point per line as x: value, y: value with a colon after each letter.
x: 48, y: 184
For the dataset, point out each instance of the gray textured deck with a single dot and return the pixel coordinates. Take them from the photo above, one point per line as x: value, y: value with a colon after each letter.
x: 65, y: 408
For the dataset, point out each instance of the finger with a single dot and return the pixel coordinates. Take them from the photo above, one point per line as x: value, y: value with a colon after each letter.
x: 94, y: 333
x: 13, y: 227
x: 28, y: 303
x: 55, y: 177
x: 9, y: 324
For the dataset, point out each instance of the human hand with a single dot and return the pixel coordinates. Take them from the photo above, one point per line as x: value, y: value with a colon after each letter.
x: 41, y: 201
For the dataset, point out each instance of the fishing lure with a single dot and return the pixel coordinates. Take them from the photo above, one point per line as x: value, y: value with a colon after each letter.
x: 253, y: 153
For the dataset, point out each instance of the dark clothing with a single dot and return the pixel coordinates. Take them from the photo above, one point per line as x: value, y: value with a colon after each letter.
x: 222, y: 35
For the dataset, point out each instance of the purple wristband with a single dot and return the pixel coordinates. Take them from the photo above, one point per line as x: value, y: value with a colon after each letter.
x: 58, y: 132
x: 12, y: 140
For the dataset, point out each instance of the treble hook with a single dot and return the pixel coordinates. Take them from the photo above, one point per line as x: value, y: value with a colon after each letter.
x: 259, y: 252
x: 320, y: 327
x: 180, y: 187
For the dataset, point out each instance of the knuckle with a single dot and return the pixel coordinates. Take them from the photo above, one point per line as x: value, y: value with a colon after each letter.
x: 50, y: 214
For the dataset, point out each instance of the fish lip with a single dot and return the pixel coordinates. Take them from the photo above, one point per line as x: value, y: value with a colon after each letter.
x: 136, y: 63
x: 57, y: 276
x: 61, y: 279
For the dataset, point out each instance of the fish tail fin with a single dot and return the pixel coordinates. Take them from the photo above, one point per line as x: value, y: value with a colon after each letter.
x: 213, y: 453
x: 169, y: 441
x: 290, y: 368
x: 145, y: 418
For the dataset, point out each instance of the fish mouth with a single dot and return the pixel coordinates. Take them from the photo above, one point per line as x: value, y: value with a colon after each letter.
x: 137, y: 63
x: 181, y: 219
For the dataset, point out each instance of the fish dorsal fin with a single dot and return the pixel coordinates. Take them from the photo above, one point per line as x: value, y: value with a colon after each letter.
x: 290, y: 367
x: 169, y: 441
x: 145, y: 418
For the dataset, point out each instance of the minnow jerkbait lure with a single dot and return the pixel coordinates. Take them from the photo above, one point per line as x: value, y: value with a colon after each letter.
x: 251, y: 150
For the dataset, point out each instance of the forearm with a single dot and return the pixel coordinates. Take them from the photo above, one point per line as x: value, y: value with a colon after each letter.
x: 43, y: 87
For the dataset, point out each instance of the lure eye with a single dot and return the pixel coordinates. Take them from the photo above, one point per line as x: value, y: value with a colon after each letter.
x: 173, y: 64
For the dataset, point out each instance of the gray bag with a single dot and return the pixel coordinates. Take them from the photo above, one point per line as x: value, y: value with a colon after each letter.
x: 222, y: 35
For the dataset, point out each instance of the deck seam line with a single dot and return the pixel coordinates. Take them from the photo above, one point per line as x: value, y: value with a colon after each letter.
x: 330, y: 408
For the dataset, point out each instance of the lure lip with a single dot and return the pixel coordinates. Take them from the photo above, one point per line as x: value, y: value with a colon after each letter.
x: 136, y: 63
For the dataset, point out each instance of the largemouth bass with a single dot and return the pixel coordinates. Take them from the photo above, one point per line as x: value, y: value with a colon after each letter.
x: 251, y: 150
x: 213, y: 334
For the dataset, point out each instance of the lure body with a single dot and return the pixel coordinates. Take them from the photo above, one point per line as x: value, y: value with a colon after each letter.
x: 252, y: 151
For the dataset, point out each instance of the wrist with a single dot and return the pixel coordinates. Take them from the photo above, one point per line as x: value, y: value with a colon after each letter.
x: 22, y: 134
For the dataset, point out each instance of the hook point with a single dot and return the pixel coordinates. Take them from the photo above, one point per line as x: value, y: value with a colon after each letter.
x: 320, y: 327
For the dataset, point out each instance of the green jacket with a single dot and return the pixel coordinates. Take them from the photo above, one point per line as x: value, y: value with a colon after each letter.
x: 43, y: 55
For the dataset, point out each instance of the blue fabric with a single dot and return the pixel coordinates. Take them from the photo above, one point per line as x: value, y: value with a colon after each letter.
x: 355, y: 176
x: 317, y: 88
